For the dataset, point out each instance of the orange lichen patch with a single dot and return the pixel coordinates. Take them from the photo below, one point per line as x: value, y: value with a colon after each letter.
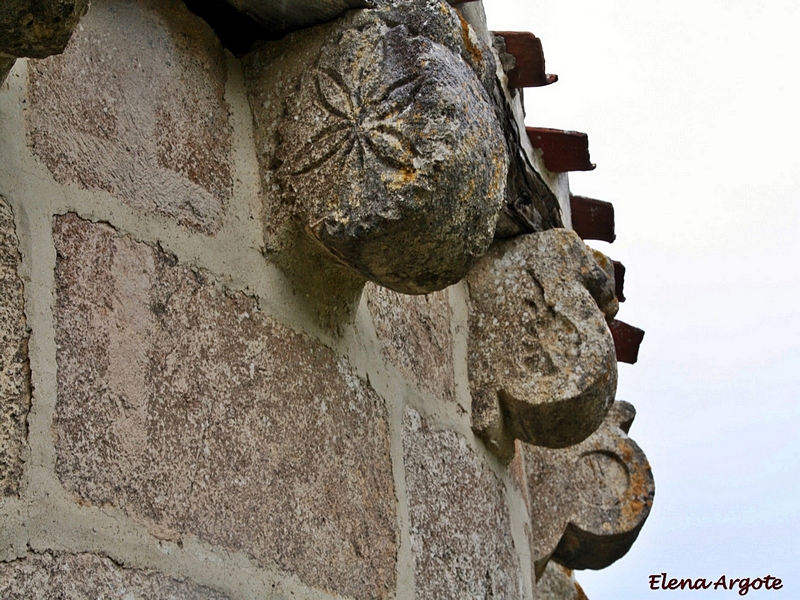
x: 402, y: 177
x: 625, y: 450
x: 640, y: 490
x: 581, y: 593
x: 469, y: 190
x: 498, y: 182
x: 473, y: 50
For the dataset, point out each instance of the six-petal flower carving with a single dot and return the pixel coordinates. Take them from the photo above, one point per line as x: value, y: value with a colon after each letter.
x: 364, y: 119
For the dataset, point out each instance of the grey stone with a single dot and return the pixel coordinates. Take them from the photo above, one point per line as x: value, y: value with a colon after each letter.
x: 185, y: 406
x: 379, y: 142
x: 530, y: 205
x: 280, y: 17
x: 415, y: 336
x: 145, y: 120
x: 460, y: 527
x: 80, y: 576
x: 38, y: 28
x: 589, y: 501
x: 15, y: 384
x: 541, y: 359
x: 558, y: 583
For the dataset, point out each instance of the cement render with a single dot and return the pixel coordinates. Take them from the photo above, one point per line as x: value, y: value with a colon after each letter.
x: 79, y: 576
x: 45, y: 517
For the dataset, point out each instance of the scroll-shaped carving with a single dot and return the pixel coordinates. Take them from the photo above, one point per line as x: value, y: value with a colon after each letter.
x: 542, y: 366
x: 378, y: 138
x: 589, y: 502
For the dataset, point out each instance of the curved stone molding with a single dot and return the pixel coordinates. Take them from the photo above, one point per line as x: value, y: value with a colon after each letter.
x: 542, y: 365
x: 381, y: 143
x: 589, y: 501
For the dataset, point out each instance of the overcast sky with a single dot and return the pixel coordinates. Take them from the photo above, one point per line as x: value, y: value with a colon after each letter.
x: 692, y: 114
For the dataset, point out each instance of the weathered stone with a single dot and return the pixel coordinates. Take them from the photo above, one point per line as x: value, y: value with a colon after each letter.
x: 379, y: 141
x: 415, y: 336
x: 589, y: 501
x: 558, y: 583
x: 145, y: 120
x: 530, y: 205
x: 6, y: 63
x: 192, y: 411
x: 81, y: 576
x: 608, y: 302
x: 15, y: 385
x: 460, y: 528
x: 280, y: 17
x: 38, y: 28
x: 541, y: 360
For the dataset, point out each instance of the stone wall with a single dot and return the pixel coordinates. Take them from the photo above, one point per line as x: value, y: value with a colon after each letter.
x: 188, y: 413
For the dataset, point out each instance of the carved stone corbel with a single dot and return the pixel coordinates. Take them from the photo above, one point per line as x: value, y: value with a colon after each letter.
x: 541, y: 359
x: 588, y: 502
x: 381, y: 153
x: 36, y: 28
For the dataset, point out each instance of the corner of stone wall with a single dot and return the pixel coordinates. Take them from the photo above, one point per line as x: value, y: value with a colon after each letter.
x: 176, y: 419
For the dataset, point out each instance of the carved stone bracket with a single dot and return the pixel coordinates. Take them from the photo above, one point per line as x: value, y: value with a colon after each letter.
x: 380, y: 146
x: 541, y: 359
x: 589, y: 502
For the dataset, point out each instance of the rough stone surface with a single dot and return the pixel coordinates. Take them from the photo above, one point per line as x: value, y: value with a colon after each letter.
x: 589, y: 501
x: 460, y: 528
x: 192, y: 411
x: 15, y: 388
x: 6, y: 63
x: 145, y: 120
x: 541, y: 359
x: 81, y: 576
x: 415, y: 336
x: 558, y: 583
x: 279, y: 16
x: 379, y: 141
x: 38, y: 28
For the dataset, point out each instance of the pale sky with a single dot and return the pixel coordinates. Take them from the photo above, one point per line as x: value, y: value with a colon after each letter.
x: 692, y: 114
